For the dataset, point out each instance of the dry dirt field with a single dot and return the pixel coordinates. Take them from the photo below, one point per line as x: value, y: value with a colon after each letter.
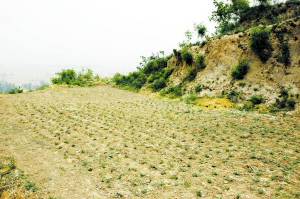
x: 102, y: 142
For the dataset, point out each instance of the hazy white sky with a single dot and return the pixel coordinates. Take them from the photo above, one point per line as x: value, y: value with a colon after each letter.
x: 40, y: 37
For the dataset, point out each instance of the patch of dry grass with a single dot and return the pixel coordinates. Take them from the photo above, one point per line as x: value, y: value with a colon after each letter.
x: 13, y: 184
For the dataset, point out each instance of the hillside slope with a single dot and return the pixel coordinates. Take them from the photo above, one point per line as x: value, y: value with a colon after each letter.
x: 221, y: 54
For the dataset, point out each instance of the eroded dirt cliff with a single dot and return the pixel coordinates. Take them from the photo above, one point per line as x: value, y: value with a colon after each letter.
x: 266, y: 78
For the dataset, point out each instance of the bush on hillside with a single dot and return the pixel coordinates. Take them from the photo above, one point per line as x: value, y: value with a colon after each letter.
x: 15, y: 91
x: 66, y: 76
x: 158, y: 84
x: 260, y: 42
x: 291, y: 103
x: 168, y: 72
x: 44, y: 86
x: 174, y: 91
x: 198, y: 88
x: 177, y: 53
x: 200, y: 61
x: 190, y: 76
x: 187, y: 57
x: 153, y: 77
x: 257, y: 99
x: 154, y: 66
x: 240, y: 70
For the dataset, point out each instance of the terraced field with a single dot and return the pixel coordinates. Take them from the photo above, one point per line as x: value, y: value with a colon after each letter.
x: 102, y: 142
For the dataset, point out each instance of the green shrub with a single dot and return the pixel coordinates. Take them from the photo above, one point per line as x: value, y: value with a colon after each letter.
x: 153, y: 77
x: 159, y: 84
x: 168, y: 72
x: 177, y: 53
x: 200, y: 61
x: 248, y: 106
x: 233, y: 96
x: 190, y: 99
x: 88, y: 75
x: 242, y: 84
x: 260, y: 42
x: 191, y: 75
x: 174, y: 91
x: 284, y: 93
x: 198, y: 88
x: 43, y: 87
x: 284, y: 56
x: 203, y: 43
x: 15, y: 91
x: 66, y: 76
x: 240, y: 70
x: 291, y: 103
x: 187, y: 57
x: 257, y: 99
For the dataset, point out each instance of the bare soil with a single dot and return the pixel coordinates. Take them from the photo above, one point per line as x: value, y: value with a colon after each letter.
x: 102, y: 142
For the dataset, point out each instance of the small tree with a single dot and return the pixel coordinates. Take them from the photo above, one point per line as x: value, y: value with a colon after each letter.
x: 200, y: 29
x: 189, y: 36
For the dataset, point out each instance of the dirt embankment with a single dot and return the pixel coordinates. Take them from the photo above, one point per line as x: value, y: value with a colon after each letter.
x: 266, y: 78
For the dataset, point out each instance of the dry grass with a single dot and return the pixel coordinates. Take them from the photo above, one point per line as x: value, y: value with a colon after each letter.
x: 103, y: 142
x: 13, y: 184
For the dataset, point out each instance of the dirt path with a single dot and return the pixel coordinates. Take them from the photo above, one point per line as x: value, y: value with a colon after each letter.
x: 103, y: 142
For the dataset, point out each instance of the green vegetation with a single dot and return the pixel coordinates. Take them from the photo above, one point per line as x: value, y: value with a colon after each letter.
x: 257, y: 99
x: 187, y: 56
x: 284, y: 56
x: 153, y: 70
x: 285, y: 101
x: 14, y: 180
x: 200, y: 61
x: 173, y: 91
x: 15, y: 91
x: 43, y: 87
x: 232, y: 17
x: 240, y: 70
x: 200, y: 29
x: 260, y: 42
x: 70, y: 77
x: 198, y: 88
x: 191, y: 75
x: 158, y: 84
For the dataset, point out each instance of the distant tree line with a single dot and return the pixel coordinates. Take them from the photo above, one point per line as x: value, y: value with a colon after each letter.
x: 6, y: 86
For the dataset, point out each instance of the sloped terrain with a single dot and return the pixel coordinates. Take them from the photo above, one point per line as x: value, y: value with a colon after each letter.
x: 102, y: 142
x: 266, y: 78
